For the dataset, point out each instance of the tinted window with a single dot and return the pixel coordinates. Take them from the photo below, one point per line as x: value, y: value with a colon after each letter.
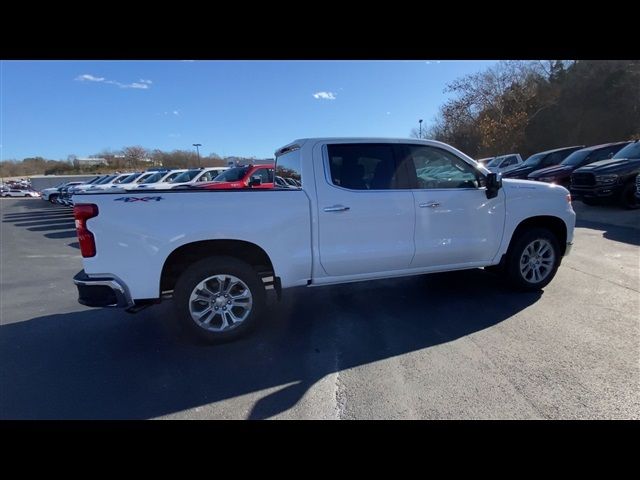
x: 153, y: 178
x: 603, y: 154
x: 142, y: 178
x: 172, y: 176
x: 232, y: 175
x: 437, y: 168
x: 630, y: 151
x: 362, y: 166
x: 554, y: 159
x: 509, y: 161
x: 533, y: 160
x: 105, y: 180
x: 207, y: 176
x: 576, y: 158
x: 288, y: 168
x: 266, y: 174
x: 186, y: 176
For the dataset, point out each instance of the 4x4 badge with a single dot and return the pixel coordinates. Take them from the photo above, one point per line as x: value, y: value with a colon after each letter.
x: 137, y: 199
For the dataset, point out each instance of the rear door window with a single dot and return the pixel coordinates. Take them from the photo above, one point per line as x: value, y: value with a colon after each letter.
x: 362, y: 166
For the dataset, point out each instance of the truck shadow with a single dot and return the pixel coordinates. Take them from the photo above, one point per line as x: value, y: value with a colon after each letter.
x: 617, y: 233
x: 105, y: 364
x: 44, y: 218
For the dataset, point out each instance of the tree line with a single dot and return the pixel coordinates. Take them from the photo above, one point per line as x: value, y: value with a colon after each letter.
x: 530, y: 106
x: 129, y: 158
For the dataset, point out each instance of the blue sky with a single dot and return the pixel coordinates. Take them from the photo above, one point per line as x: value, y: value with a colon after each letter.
x: 245, y: 108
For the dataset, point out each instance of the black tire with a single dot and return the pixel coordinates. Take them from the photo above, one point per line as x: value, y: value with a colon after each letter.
x: 52, y: 198
x: 590, y: 201
x: 516, y: 249
x: 628, y: 197
x: 208, y: 267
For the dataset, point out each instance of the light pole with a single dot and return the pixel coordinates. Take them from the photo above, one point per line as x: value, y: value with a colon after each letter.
x: 197, y: 145
x: 420, y: 123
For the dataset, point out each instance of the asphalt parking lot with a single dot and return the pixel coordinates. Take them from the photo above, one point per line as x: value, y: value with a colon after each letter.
x: 455, y: 345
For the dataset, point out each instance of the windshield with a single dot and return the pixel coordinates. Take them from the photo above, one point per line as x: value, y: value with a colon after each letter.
x: 186, y: 176
x: 232, y: 175
x: 144, y: 177
x: 171, y: 176
x: 533, y: 160
x: 106, y: 179
x: 630, y: 151
x: 153, y: 178
x: 495, y: 162
x: 576, y: 158
x: 128, y: 179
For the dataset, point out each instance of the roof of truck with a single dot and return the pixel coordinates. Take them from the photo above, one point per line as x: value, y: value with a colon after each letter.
x: 301, y: 141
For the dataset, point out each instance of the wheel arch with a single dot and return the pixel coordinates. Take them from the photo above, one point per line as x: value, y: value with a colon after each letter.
x: 185, y: 255
x: 556, y: 225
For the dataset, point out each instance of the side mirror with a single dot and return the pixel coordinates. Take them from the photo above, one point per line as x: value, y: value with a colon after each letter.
x: 255, y: 181
x: 494, y: 183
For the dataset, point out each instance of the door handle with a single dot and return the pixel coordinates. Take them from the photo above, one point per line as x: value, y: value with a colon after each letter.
x: 336, y: 208
x: 429, y: 205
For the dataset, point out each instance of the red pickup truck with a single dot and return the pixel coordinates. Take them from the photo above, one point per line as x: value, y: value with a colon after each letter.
x: 249, y: 176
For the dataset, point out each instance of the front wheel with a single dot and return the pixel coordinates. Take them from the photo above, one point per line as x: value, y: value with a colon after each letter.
x: 628, y: 197
x: 533, y: 259
x: 219, y: 299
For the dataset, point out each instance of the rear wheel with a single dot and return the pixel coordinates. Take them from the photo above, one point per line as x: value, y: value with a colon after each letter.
x: 533, y: 259
x: 219, y: 299
x: 628, y: 197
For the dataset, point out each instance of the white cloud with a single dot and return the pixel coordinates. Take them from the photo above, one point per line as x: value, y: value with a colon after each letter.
x: 429, y: 62
x: 388, y: 113
x: 141, y: 85
x: 89, y: 78
x: 324, y: 95
x: 176, y: 113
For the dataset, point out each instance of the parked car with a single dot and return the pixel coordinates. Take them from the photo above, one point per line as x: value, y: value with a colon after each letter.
x: 609, y: 180
x: 19, y: 192
x: 637, y: 188
x: 159, y: 179
x: 189, y: 178
x: 484, y: 161
x: 247, y: 176
x: 504, y: 162
x: 358, y: 215
x: 561, y: 174
x: 137, y: 181
x: 50, y: 194
x: 541, y: 160
x: 113, y: 182
x: 87, y: 185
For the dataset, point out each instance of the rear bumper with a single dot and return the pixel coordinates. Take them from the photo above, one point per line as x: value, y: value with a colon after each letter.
x: 103, y: 291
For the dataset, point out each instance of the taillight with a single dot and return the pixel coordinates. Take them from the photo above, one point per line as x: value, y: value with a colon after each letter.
x: 83, y: 212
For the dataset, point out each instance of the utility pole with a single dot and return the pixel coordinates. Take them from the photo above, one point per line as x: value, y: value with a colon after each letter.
x: 420, y: 123
x: 198, y: 145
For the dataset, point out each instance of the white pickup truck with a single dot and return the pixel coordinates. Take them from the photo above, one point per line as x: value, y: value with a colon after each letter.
x: 366, y: 209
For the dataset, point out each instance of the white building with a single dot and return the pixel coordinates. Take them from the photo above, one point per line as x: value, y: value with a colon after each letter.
x: 91, y: 161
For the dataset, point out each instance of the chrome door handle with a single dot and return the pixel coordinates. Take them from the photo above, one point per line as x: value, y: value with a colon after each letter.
x: 429, y: 205
x: 336, y: 208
